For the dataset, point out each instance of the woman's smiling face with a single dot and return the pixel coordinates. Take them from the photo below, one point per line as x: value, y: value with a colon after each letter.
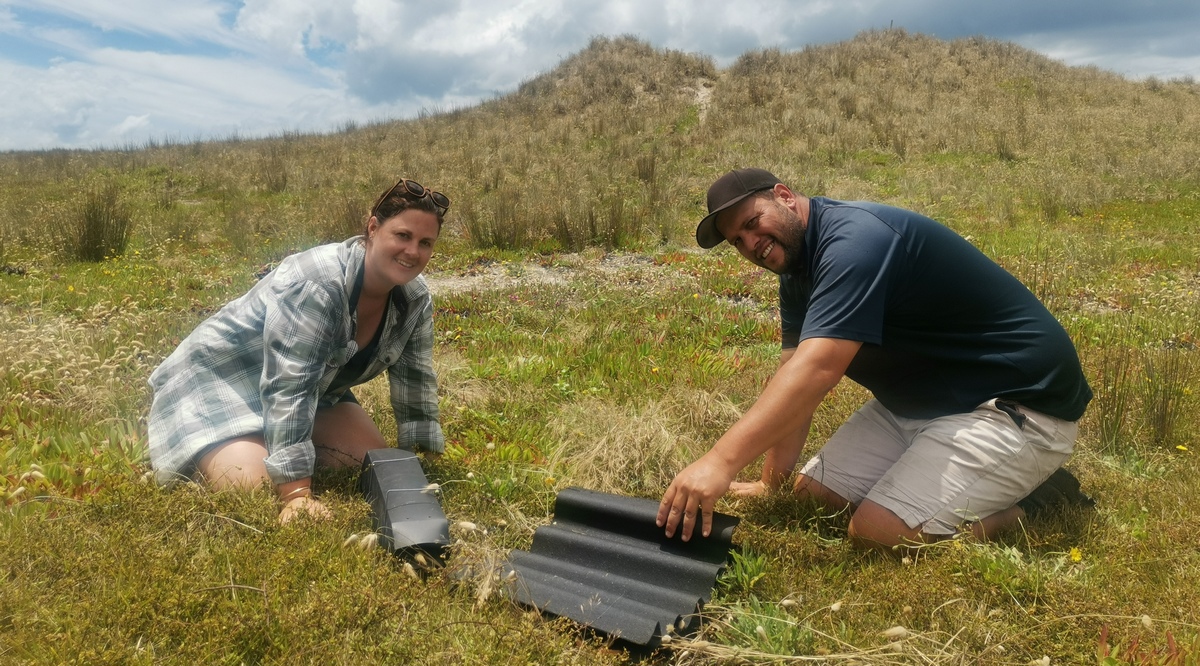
x: 399, y: 247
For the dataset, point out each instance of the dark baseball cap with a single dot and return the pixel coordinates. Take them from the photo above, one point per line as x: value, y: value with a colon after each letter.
x: 727, y: 191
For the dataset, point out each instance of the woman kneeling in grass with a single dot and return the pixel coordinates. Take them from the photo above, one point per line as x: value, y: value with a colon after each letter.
x: 260, y: 392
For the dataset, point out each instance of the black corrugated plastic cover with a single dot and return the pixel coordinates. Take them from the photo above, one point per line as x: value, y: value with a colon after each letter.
x: 605, y: 564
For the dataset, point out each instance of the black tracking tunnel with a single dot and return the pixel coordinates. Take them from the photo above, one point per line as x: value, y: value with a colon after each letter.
x: 405, y: 510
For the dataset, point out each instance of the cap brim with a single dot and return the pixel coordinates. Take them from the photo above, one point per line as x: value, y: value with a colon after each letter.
x: 707, y: 235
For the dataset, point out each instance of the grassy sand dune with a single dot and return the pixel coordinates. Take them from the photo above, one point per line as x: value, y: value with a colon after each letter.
x: 582, y: 340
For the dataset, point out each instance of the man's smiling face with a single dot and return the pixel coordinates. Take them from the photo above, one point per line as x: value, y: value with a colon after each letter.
x: 766, y: 229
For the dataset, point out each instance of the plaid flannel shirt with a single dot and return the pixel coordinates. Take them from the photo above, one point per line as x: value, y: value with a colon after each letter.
x: 262, y: 363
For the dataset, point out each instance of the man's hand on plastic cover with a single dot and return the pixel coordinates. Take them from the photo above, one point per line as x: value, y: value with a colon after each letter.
x: 695, y: 489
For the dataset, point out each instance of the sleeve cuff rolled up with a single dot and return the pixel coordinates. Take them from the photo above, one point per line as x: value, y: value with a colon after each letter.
x: 424, y: 435
x: 292, y: 463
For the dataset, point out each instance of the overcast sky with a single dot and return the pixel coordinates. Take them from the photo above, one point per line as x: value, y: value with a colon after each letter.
x: 111, y: 73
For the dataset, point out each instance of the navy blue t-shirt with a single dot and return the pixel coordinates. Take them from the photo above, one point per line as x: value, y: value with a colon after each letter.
x: 943, y: 327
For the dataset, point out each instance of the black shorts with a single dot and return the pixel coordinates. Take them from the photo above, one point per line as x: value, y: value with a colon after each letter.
x: 346, y: 396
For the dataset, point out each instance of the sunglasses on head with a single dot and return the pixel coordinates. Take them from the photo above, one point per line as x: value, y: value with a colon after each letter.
x: 415, y: 190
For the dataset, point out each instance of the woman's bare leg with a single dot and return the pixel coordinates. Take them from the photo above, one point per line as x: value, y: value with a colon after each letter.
x: 343, y: 434
x: 236, y: 463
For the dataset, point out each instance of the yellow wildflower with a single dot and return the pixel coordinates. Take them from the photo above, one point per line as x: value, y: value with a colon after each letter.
x: 1076, y: 554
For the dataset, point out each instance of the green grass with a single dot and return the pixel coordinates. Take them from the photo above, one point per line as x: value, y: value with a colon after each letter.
x: 589, y: 344
x: 193, y: 577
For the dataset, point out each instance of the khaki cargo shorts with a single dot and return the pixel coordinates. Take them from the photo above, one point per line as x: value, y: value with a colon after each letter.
x: 939, y: 474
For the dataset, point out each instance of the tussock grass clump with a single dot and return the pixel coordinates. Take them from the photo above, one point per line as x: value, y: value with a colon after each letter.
x: 104, y: 225
x: 273, y: 168
x: 1168, y: 375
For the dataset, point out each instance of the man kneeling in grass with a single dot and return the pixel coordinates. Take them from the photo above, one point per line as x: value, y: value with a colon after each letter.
x: 977, y: 388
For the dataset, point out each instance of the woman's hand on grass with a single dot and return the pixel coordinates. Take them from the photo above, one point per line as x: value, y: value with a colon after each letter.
x: 304, y: 505
x: 748, y: 488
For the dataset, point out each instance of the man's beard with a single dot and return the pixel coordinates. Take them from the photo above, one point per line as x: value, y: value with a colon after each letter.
x: 792, y: 240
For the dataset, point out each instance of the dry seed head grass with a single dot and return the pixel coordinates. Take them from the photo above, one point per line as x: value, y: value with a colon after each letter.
x: 477, y: 563
x: 621, y: 449
x: 78, y: 363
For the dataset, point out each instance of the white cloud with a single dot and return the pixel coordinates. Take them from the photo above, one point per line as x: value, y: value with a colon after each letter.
x: 64, y: 40
x: 232, y: 80
x: 176, y: 19
x: 131, y: 123
x: 98, y: 103
x: 44, y: 107
x: 8, y: 21
x: 295, y: 26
